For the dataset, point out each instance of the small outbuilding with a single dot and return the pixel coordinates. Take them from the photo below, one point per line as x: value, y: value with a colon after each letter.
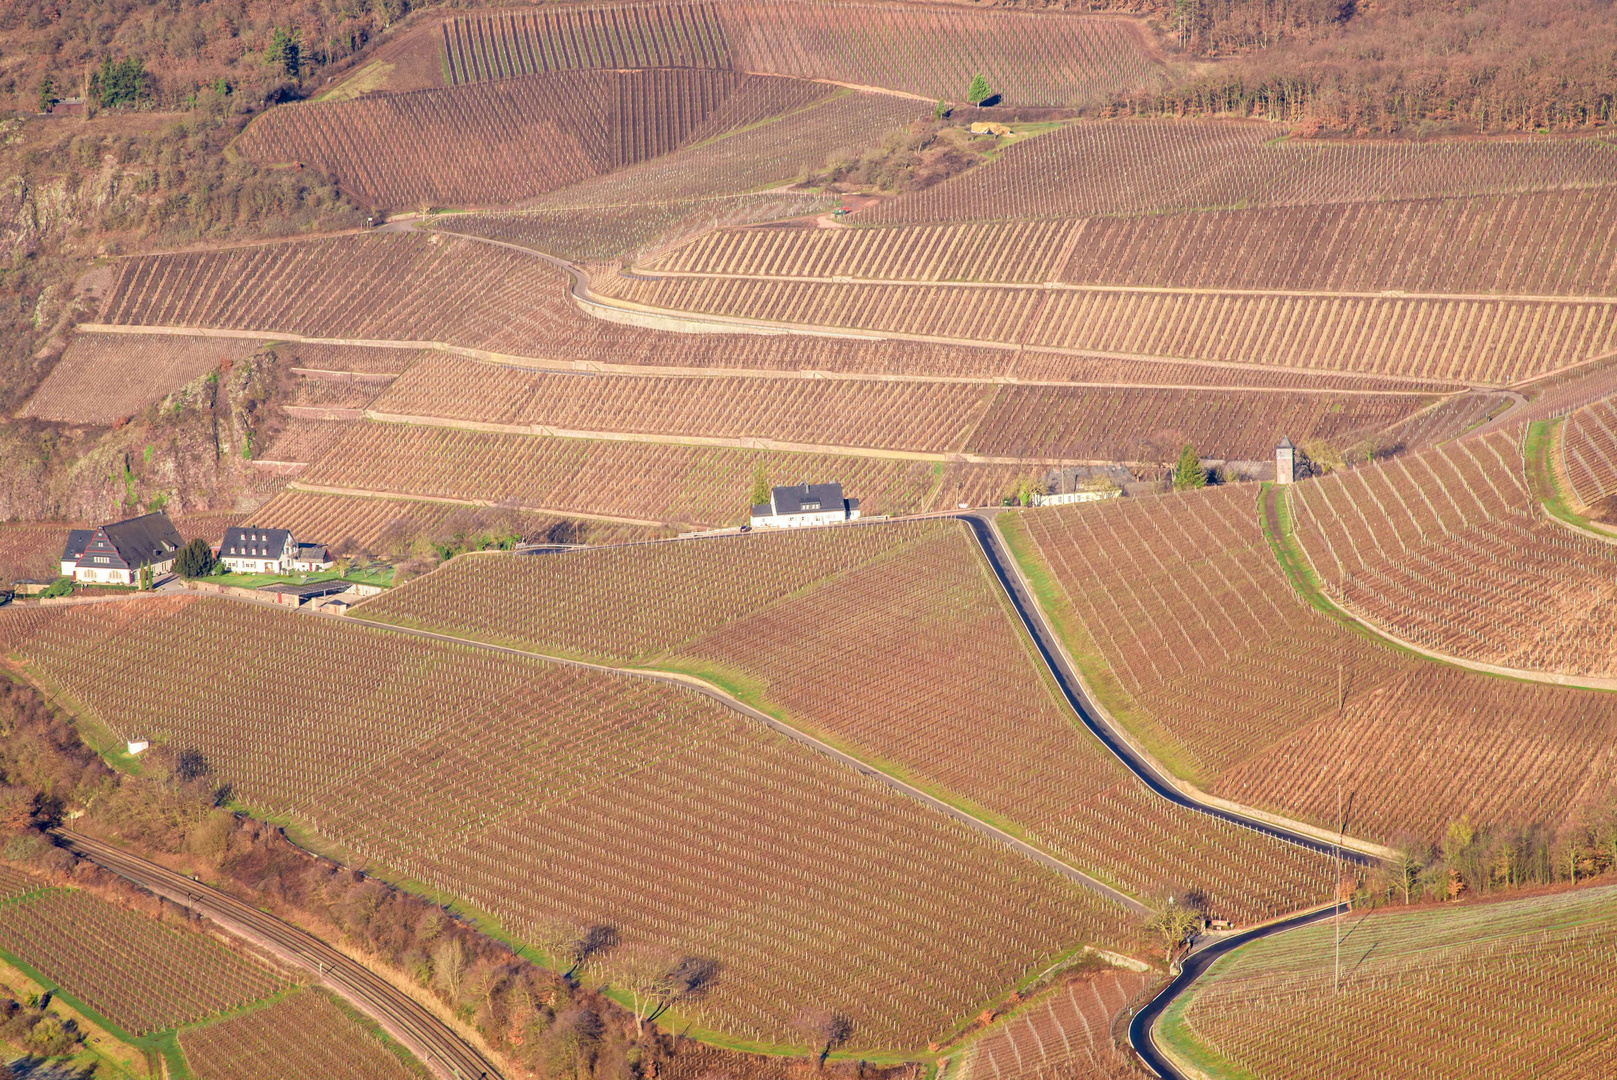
x: 1285, y: 462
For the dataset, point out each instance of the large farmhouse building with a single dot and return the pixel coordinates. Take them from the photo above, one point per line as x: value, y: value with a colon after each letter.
x: 249, y: 549
x: 115, y: 554
x: 804, y: 504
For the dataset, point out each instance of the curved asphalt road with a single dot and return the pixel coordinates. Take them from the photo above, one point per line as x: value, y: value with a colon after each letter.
x: 1141, y: 1036
x: 426, y: 1036
x: 1147, y: 772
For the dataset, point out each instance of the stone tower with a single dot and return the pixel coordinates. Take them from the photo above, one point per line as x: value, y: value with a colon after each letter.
x: 1285, y: 463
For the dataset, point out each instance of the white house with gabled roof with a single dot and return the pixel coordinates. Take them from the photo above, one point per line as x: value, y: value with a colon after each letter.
x: 804, y: 504
x: 115, y: 554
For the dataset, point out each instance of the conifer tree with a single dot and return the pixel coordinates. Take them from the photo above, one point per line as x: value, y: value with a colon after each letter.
x: 1189, y: 473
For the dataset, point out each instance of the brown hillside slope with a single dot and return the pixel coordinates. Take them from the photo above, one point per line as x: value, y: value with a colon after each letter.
x: 690, y: 829
x: 1044, y: 58
x: 1449, y: 549
x: 891, y: 641
x: 1211, y: 657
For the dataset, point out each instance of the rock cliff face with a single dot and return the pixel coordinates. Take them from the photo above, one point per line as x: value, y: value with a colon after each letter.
x: 189, y: 453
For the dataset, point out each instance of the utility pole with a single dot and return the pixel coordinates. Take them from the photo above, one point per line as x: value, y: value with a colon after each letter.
x: 1336, y: 891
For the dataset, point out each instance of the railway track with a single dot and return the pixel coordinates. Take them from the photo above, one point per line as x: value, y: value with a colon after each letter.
x: 404, y: 1018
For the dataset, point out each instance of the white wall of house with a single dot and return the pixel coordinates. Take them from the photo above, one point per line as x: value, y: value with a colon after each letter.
x: 797, y: 521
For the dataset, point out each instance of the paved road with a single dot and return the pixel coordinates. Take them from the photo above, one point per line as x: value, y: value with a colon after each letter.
x: 1141, y: 1034
x: 426, y: 1036
x: 1146, y: 770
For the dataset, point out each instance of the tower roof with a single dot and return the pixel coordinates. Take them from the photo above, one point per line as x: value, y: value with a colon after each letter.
x: 1285, y: 444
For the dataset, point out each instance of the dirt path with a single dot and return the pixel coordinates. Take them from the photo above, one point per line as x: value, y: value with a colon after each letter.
x: 1416, y: 386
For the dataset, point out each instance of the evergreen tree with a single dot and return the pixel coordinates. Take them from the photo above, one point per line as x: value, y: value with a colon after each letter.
x: 195, y: 559
x: 119, y: 82
x: 285, y: 51
x: 47, y: 94
x: 760, y: 487
x: 1189, y: 473
x: 978, y: 91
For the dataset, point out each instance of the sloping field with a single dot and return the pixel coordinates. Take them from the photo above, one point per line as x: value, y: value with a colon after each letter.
x: 1112, y: 425
x: 559, y: 798
x: 606, y: 233
x: 303, y: 440
x: 407, y: 287
x: 307, y: 1034
x: 964, y: 707
x: 1589, y: 447
x: 1160, y: 166
x: 763, y: 156
x: 1032, y: 59
x: 1447, y: 992
x: 1062, y: 1034
x: 1541, y: 243
x: 103, y: 378
x: 1191, y: 632
x: 390, y: 526
x: 499, y: 142
x: 1449, y: 549
x: 137, y: 972
x: 1460, y: 339
x: 845, y: 412
x: 670, y: 483
x: 1034, y: 422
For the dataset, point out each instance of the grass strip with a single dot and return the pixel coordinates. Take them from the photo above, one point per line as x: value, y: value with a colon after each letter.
x: 1099, y: 680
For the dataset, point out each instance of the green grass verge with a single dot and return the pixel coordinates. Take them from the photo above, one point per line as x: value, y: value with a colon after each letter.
x: 383, y: 578
x: 1173, y: 1031
x: 1541, y: 481
x: 1293, y: 561
x: 1086, y: 655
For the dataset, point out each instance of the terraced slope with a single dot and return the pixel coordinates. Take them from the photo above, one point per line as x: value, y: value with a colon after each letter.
x: 1539, y: 243
x: 1051, y: 58
x: 963, y: 707
x: 684, y: 825
x: 137, y: 972
x: 1162, y: 166
x: 306, y: 1032
x: 1273, y: 1008
x: 1035, y: 423
x: 676, y: 484
x: 1190, y: 631
x: 1458, y: 339
x: 104, y: 378
x: 1063, y: 1033
x: 1450, y: 550
x: 495, y: 143
x: 1589, y: 450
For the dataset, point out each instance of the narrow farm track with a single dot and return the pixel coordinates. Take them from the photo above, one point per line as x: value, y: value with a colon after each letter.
x: 1149, y: 772
x: 613, y: 309
x: 1142, y: 1037
x: 429, y: 1038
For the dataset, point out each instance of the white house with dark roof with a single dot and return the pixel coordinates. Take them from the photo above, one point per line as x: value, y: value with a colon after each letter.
x: 804, y: 504
x: 250, y: 549
x: 115, y: 554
